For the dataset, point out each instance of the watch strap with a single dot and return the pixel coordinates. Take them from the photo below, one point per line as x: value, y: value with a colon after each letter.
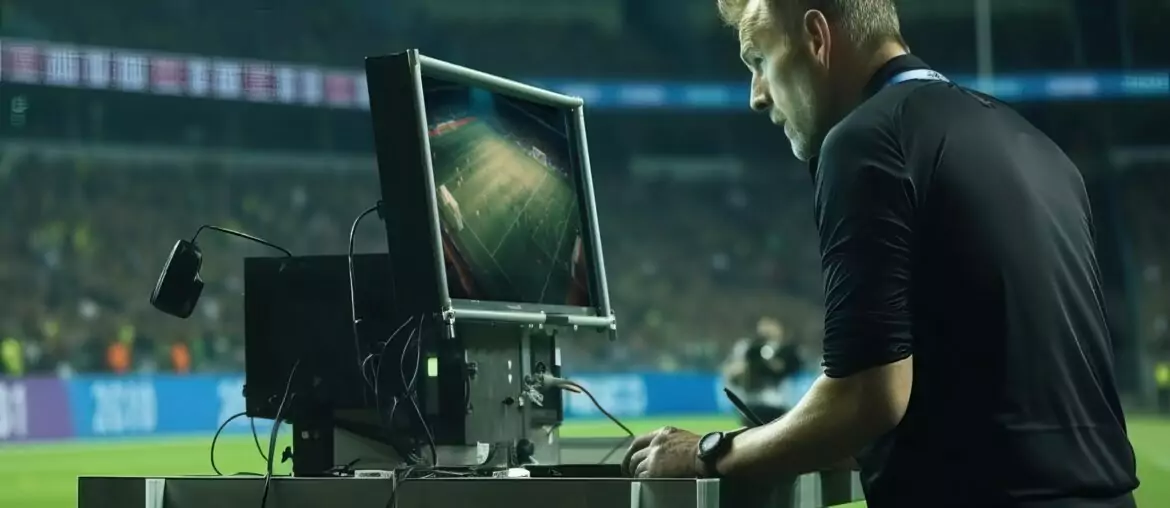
x: 706, y: 463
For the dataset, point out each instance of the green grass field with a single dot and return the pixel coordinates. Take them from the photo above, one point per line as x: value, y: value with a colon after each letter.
x: 513, y: 220
x: 45, y: 475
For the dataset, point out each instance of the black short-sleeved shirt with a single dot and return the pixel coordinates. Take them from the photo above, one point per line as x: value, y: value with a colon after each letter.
x: 955, y: 231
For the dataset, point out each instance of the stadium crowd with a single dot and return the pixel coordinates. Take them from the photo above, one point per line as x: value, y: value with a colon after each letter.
x: 691, y: 264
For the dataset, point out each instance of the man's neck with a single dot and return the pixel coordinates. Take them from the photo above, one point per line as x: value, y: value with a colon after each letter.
x: 884, y: 53
x: 865, y: 65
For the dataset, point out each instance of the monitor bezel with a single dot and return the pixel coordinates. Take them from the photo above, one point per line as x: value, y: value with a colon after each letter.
x: 398, y: 111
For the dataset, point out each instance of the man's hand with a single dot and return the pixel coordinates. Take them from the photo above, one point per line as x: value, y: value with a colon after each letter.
x: 665, y: 453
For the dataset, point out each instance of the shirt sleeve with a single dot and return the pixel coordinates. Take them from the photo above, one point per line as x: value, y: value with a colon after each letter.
x: 864, y: 206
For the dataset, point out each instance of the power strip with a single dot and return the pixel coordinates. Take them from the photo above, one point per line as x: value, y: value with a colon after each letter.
x: 373, y: 473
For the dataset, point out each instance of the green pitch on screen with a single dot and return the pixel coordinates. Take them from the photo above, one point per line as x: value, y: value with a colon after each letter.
x: 514, y: 220
x: 45, y: 475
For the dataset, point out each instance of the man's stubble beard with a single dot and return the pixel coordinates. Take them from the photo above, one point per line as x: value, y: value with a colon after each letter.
x: 807, y: 135
x: 814, y: 118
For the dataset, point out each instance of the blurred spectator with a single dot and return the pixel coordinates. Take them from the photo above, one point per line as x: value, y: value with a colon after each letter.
x: 118, y: 357
x: 180, y: 357
x: 759, y: 366
x: 12, y: 355
x: 1161, y: 355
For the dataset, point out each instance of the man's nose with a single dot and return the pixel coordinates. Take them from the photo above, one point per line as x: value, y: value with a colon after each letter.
x: 760, y: 103
x: 759, y: 100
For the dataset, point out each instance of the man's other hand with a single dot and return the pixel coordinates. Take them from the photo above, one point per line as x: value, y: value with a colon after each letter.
x: 665, y: 453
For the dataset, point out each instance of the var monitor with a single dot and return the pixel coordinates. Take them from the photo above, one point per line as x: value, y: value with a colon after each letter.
x: 489, y: 199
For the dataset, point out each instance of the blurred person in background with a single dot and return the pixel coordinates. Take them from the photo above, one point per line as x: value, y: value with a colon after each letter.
x: 1161, y: 355
x: 758, y: 367
x: 119, y: 357
x: 180, y: 357
x: 957, y: 248
x: 12, y: 357
x: 1162, y: 378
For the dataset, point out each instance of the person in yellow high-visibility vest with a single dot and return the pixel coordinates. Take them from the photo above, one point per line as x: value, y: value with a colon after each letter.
x: 1162, y: 381
x: 12, y: 357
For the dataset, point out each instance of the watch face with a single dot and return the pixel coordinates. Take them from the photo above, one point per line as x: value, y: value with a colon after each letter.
x: 708, y: 443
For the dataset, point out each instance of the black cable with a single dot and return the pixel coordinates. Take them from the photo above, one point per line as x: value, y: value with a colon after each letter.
x: 409, y: 387
x: 275, y: 430
x: 357, y: 348
x: 215, y: 438
x: 411, y: 390
x: 381, y: 354
x: 387, y: 426
x: 401, y: 374
x: 386, y: 345
x: 407, y: 394
x: 256, y: 439
x: 621, y: 444
x: 397, y: 483
x: 596, y: 404
x: 245, y: 236
x: 629, y: 433
x: 376, y: 383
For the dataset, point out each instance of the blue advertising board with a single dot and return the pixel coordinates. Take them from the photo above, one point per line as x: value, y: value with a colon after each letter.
x: 664, y: 394
x: 56, y: 64
x: 147, y: 405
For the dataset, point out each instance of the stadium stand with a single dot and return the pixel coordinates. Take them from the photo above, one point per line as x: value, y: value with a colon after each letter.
x: 686, y: 259
x: 605, y: 39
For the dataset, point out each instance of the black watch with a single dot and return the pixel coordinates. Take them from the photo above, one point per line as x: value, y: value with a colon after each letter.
x: 712, y: 447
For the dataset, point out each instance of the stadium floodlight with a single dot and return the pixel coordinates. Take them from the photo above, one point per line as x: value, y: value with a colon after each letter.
x: 491, y: 212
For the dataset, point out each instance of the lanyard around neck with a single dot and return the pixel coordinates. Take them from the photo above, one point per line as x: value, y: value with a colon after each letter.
x: 917, y: 75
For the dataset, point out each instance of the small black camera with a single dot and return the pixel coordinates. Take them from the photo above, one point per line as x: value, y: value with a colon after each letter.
x: 179, y: 286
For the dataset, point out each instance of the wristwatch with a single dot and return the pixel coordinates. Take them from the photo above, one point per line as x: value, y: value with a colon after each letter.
x: 712, y: 447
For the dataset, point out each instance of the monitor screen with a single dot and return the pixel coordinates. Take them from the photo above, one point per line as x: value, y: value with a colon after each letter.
x: 506, y: 182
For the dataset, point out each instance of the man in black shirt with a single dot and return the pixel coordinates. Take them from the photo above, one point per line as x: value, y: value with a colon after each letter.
x: 967, y: 359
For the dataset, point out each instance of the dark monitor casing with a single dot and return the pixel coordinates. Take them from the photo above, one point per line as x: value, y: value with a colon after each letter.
x: 413, y: 231
x: 297, y: 312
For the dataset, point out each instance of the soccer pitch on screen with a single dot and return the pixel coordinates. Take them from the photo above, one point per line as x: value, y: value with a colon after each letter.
x: 45, y: 475
x: 513, y: 219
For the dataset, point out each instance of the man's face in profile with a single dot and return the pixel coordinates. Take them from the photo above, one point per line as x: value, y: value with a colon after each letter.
x: 785, y: 77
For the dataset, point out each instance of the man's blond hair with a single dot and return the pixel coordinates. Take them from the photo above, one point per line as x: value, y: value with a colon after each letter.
x: 865, y: 22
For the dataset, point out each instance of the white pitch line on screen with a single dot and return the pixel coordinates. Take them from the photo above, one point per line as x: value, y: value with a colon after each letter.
x: 537, y: 235
x: 535, y: 191
x: 556, y: 251
x: 493, y: 258
x: 535, y: 239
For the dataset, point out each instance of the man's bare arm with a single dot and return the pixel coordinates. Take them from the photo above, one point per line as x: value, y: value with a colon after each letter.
x: 831, y: 423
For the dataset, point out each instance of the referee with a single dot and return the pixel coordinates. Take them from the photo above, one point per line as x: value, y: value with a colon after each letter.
x: 967, y: 361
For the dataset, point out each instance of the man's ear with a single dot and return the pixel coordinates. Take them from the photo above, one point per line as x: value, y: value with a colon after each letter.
x: 819, y: 38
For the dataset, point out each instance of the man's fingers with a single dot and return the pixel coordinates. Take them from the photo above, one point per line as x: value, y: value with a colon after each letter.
x: 662, y: 433
x: 637, y: 459
x: 639, y: 443
x: 642, y: 469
